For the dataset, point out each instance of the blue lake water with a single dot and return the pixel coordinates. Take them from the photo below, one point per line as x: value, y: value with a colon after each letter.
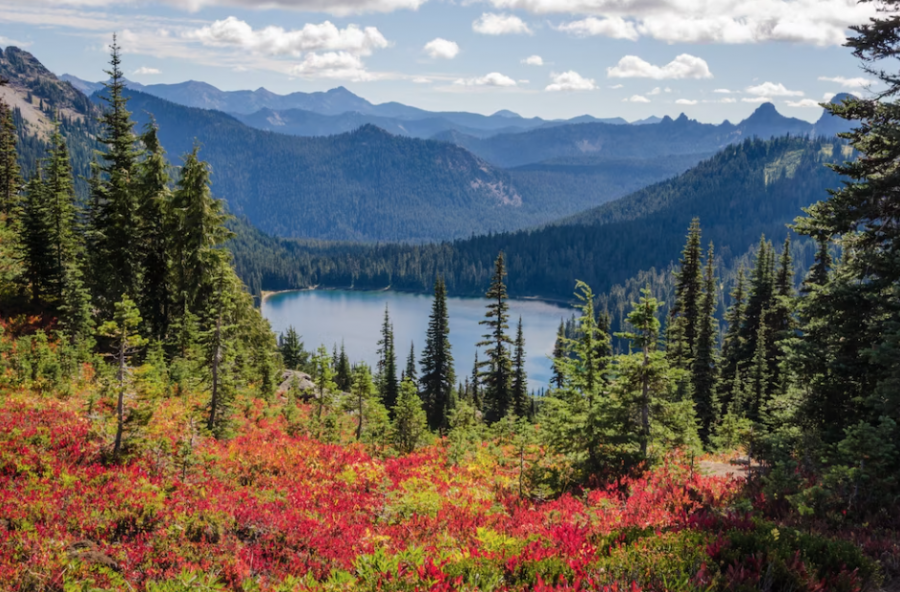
x: 329, y: 317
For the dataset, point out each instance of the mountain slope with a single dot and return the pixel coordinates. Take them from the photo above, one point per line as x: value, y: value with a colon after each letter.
x: 748, y: 189
x: 366, y: 185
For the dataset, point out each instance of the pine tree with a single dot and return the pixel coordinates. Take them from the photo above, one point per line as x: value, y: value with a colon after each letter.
x: 292, y: 349
x: 388, y: 387
x: 116, y: 222
x: 818, y: 273
x: 410, y: 371
x: 218, y: 344
x: 476, y: 385
x: 36, y: 231
x: 704, y: 377
x: 685, y: 318
x: 521, y: 400
x: 156, y: 232
x: 343, y: 373
x: 200, y: 228
x: 410, y: 421
x: 559, y: 356
x: 497, y: 378
x: 758, y: 377
x: 63, y: 214
x: 323, y: 375
x: 780, y: 319
x: 437, y: 360
x: 10, y: 177
x: 123, y: 330
x: 732, y: 346
x: 759, y: 299
x: 361, y: 393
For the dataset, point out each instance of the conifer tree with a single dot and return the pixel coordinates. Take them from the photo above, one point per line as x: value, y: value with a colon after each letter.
x: 361, y: 393
x: 116, y: 222
x: 10, y: 176
x: 410, y: 371
x: 123, y: 330
x: 200, y: 229
x: 323, y: 375
x: 732, y: 347
x: 387, y: 364
x: 818, y: 273
x: 559, y: 355
x: 476, y: 385
x: 291, y: 349
x: 497, y: 377
x: 685, y: 318
x: 63, y: 217
x: 437, y: 360
x: 410, y: 421
x: 759, y: 299
x: 156, y: 232
x: 780, y: 318
x: 704, y: 371
x: 343, y: 373
x: 521, y: 401
x: 36, y: 238
x: 218, y: 344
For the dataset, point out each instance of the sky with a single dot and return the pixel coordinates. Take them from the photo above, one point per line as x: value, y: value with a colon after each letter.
x: 710, y: 59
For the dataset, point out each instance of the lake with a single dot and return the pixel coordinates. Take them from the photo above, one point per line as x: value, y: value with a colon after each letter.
x: 329, y: 317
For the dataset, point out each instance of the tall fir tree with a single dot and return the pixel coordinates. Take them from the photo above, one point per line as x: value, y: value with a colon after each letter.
x: 388, y: 385
x: 818, y: 273
x: 704, y: 370
x: 115, y: 221
x: 36, y: 230
x: 291, y: 349
x: 62, y: 210
x: 732, y: 346
x: 497, y: 374
x: 521, y: 400
x: 10, y: 175
x: 343, y: 373
x: 410, y: 371
x: 437, y: 361
x: 685, y: 318
x: 156, y: 233
x: 557, y: 379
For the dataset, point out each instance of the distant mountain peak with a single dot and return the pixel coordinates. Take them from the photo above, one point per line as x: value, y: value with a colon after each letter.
x: 840, y: 97
x: 767, y: 109
x: 507, y: 113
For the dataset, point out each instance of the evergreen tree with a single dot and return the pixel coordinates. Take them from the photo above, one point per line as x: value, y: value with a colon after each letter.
x: 218, y: 344
x: 343, y: 373
x: 200, y: 229
x: 437, y: 360
x: 362, y: 391
x: 62, y: 211
x: 759, y: 300
x: 36, y: 229
x: 10, y: 177
x: 387, y: 363
x: 476, y: 385
x: 685, y: 317
x: 410, y: 371
x: 122, y: 329
x: 780, y: 319
x: 291, y: 348
x: 497, y: 378
x: 156, y: 232
x: 559, y: 356
x: 818, y: 273
x: 116, y: 223
x: 704, y: 377
x: 323, y: 375
x: 521, y: 400
x: 732, y: 346
x: 410, y: 421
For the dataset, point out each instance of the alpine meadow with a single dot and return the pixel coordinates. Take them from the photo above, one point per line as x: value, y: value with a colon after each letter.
x: 237, y: 326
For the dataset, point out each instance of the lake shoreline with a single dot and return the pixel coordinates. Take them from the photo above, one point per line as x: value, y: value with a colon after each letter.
x: 265, y: 294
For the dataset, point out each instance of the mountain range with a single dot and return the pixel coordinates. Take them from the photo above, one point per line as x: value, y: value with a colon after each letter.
x: 369, y: 185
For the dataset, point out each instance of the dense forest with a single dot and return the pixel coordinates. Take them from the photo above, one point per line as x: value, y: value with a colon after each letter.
x: 748, y: 189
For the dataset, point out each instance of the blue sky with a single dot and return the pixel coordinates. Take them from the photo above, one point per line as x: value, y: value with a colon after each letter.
x: 711, y: 59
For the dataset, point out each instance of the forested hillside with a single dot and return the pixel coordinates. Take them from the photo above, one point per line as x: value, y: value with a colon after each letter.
x: 748, y: 189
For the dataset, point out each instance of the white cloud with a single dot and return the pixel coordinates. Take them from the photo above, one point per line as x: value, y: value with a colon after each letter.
x: 492, y: 79
x: 756, y: 100
x: 614, y: 27
x: 617, y: 86
x: 7, y: 42
x: 276, y: 41
x: 569, y: 81
x: 686, y: 102
x: 683, y: 66
x: 500, y: 24
x: 771, y: 89
x: 858, y: 82
x: 441, y: 48
x: 332, y: 65
x: 655, y: 91
x: 421, y: 80
x: 728, y: 100
x: 534, y: 60
x: 336, y: 7
x: 816, y: 22
x: 723, y: 91
x: 805, y: 103
x: 636, y: 99
x: 144, y: 70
